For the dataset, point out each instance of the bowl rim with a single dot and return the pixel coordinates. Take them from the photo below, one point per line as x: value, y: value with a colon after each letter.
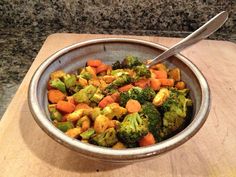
x: 94, y: 151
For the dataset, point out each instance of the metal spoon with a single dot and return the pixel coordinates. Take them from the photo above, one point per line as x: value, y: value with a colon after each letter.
x: 201, y: 33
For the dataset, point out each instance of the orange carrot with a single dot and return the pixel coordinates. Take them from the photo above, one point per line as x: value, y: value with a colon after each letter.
x: 125, y: 88
x: 55, y: 95
x: 116, y: 96
x: 105, y: 101
x: 147, y: 140
x: 167, y: 82
x: 65, y: 106
x: 133, y: 106
x: 101, y: 68
x: 142, y: 83
x: 94, y: 62
x: 71, y: 100
x: 160, y: 74
x: 82, y: 106
x: 155, y: 83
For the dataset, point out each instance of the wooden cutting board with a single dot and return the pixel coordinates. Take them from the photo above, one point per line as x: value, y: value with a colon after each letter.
x: 25, y: 150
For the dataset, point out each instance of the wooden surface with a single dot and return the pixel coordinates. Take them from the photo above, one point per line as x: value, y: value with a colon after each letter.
x: 25, y: 150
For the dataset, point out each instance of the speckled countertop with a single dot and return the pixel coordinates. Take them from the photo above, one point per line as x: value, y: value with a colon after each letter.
x: 24, y: 25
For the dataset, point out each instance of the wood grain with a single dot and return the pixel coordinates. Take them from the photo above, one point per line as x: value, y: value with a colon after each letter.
x: 25, y: 150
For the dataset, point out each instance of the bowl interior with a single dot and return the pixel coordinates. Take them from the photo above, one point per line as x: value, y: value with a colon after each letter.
x: 75, y: 56
x: 109, y: 53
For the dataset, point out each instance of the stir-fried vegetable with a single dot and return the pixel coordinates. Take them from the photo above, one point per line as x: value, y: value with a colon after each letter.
x: 125, y: 105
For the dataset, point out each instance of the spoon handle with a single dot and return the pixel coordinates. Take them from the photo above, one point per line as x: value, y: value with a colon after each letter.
x: 201, y: 33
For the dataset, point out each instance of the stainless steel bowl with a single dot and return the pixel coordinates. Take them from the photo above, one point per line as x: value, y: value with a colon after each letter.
x: 110, y: 50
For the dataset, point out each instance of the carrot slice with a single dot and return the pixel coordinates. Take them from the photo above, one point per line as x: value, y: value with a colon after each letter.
x: 125, y: 88
x: 101, y: 68
x: 133, y: 106
x: 116, y: 96
x: 167, y: 82
x: 55, y: 95
x: 105, y: 101
x: 65, y: 106
x: 94, y: 62
x: 142, y: 83
x: 147, y: 140
x: 160, y: 74
x: 155, y: 84
x: 82, y: 106
x: 71, y: 100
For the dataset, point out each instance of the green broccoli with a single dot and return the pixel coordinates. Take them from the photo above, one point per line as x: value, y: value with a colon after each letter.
x: 142, y: 71
x: 55, y: 114
x: 85, y: 74
x: 175, y: 111
x: 120, y: 81
x: 114, y: 110
x: 117, y: 65
x: 87, y: 134
x: 74, y: 89
x: 132, y: 129
x: 64, y: 126
x: 130, y: 62
x: 69, y: 80
x: 107, y: 138
x: 58, y: 84
x: 148, y: 93
x: 124, y: 98
x: 118, y: 72
x: 136, y: 93
x: 95, y: 113
x: 97, y: 97
x: 84, y: 95
x: 154, y: 118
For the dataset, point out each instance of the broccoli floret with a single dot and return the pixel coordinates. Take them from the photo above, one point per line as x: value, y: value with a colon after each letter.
x: 97, y: 97
x: 132, y: 129
x: 114, y: 110
x: 154, y: 118
x: 86, y: 75
x: 118, y: 72
x: 69, y: 80
x: 87, y: 134
x: 161, y: 97
x: 124, y: 98
x: 130, y: 62
x: 148, y: 93
x: 120, y: 81
x: 142, y: 71
x: 84, y: 95
x: 136, y: 93
x: 175, y: 111
x: 107, y: 138
x: 117, y: 65
x: 55, y: 114
x: 64, y: 126
x: 58, y: 84
x: 95, y: 113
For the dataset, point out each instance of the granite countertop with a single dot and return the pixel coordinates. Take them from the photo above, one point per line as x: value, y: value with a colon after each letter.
x: 25, y: 25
